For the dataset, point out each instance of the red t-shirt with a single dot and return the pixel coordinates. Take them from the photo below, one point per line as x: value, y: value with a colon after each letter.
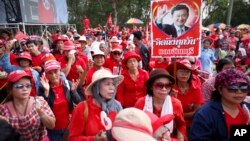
x: 89, y: 75
x: 60, y: 108
x: 111, y: 63
x: 73, y: 74
x: 84, y: 128
x: 240, y: 119
x: 37, y: 60
x: 129, y: 91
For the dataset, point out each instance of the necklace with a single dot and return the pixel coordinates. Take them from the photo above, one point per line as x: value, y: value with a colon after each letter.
x: 18, y: 112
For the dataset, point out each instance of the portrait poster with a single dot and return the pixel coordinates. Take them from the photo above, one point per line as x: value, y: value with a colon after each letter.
x: 175, y: 28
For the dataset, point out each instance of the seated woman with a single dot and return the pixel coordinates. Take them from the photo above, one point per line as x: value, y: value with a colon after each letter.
x: 226, y: 105
x: 159, y: 102
x: 28, y: 115
x: 86, y: 121
x: 61, y: 96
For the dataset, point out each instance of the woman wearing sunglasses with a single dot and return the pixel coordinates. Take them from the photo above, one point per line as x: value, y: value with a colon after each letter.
x: 159, y: 102
x: 226, y: 108
x: 113, y: 62
x: 30, y: 116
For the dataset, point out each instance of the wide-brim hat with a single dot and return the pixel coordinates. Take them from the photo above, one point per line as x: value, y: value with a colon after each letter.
x: 131, y: 54
x: 132, y: 124
x: 180, y: 64
x: 97, y: 52
x: 82, y: 38
x: 158, y: 73
x: 159, y: 121
x: 114, y: 39
x: 102, y: 74
x: 116, y: 48
x: 59, y: 38
x: 17, y: 75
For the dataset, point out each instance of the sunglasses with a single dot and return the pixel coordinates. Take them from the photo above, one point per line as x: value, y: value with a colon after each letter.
x: 235, y: 88
x: 162, y: 85
x: 116, y: 53
x: 21, y: 86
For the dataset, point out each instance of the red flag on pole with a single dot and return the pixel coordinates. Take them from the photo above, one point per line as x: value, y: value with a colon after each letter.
x: 109, y: 21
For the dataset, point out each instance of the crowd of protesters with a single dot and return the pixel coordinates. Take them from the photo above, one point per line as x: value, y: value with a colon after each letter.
x: 103, y: 85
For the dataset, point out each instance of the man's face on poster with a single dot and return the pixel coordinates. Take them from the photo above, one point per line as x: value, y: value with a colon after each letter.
x: 180, y: 17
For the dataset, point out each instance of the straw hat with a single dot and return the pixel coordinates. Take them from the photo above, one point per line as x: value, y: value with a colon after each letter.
x: 102, y: 74
x: 132, y: 124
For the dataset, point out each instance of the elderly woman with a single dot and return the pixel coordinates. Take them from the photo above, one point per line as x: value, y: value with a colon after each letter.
x: 88, y: 116
x: 61, y: 96
x: 132, y: 88
x: 187, y: 88
x: 28, y: 115
x: 226, y: 105
x: 159, y: 102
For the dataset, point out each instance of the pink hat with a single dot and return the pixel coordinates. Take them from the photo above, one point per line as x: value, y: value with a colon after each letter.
x: 132, y: 124
x: 24, y: 55
x: 17, y: 74
x: 69, y: 45
x: 114, y: 39
x: 47, y: 57
x: 51, y: 65
x: 59, y: 38
x: 158, y: 122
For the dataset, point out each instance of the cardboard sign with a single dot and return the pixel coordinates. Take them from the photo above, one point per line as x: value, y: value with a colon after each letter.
x: 175, y: 28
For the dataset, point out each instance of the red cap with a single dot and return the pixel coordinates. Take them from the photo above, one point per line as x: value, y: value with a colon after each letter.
x: 24, y: 55
x: 51, y: 65
x: 47, y: 57
x: 117, y: 48
x: 68, y: 45
x: 59, y: 38
x: 17, y: 74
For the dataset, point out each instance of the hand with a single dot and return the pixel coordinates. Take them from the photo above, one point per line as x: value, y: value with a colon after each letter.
x: 8, y: 47
x: 4, y: 118
x: 90, y: 64
x: 37, y: 68
x: 45, y: 83
x: 71, y: 58
x: 101, y: 136
x: 174, y: 92
x: 74, y: 85
x: 79, y: 69
x: 161, y: 13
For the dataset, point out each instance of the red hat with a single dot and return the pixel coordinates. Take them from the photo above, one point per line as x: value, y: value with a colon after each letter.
x: 17, y: 74
x: 180, y: 64
x: 24, y: 55
x: 116, y: 48
x: 51, y: 65
x: 158, y: 122
x: 114, y: 39
x: 47, y: 57
x: 59, y: 38
x: 131, y: 54
x: 69, y: 45
x: 124, y: 44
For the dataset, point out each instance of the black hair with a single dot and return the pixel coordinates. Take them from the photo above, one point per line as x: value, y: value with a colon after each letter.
x: 180, y: 7
x: 222, y: 62
x: 35, y: 42
x: 19, y: 59
x: 8, y: 133
x: 215, y: 95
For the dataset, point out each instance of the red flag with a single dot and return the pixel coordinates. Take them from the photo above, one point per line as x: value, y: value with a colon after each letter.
x: 109, y: 22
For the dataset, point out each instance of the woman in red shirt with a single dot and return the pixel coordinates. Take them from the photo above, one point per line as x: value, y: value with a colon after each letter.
x: 114, y: 61
x: 61, y: 96
x: 187, y: 87
x: 133, y: 86
x: 92, y: 117
x: 159, y: 102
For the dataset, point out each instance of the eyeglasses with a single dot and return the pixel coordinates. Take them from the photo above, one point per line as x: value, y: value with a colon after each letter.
x: 162, y: 85
x: 21, y: 86
x: 235, y: 88
x: 184, y: 71
x: 116, y: 53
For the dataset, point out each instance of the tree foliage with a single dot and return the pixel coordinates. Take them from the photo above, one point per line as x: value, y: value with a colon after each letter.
x: 98, y: 11
x: 217, y: 12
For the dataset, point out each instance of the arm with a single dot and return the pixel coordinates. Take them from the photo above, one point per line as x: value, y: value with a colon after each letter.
x: 5, y: 63
x: 71, y: 60
x: 74, y: 94
x: 83, y: 75
x: 120, y: 93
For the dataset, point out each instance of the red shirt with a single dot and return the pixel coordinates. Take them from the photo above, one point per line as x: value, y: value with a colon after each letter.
x: 192, y: 97
x: 73, y: 74
x: 84, y: 128
x: 179, y: 122
x: 240, y: 119
x: 60, y: 108
x: 37, y: 60
x: 13, y: 59
x: 89, y: 75
x: 129, y: 91
x: 111, y: 63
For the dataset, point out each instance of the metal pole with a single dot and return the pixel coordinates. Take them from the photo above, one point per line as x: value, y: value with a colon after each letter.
x: 229, y: 13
